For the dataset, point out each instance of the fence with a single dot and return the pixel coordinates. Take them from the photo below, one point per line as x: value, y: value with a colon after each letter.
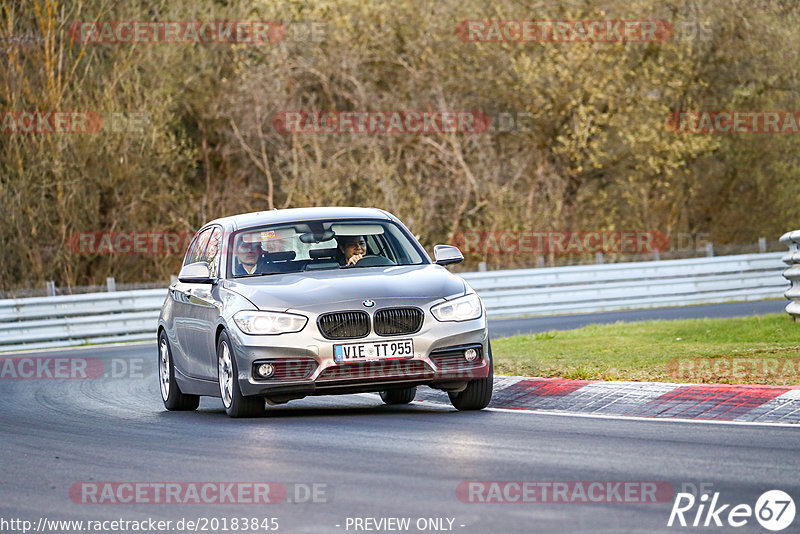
x: 649, y: 284
x: 43, y: 322
x: 792, y: 258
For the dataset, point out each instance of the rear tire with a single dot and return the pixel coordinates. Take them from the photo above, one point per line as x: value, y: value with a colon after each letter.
x: 171, y: 394
x: 478, y: 393
x: 236, y: 404
x: 399, y: 396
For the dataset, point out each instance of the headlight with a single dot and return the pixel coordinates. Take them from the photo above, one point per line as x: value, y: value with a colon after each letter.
x: 460, y: 309
x: 269, y: 323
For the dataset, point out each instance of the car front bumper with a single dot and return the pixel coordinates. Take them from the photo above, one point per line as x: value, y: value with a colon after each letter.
x: 305, y: 365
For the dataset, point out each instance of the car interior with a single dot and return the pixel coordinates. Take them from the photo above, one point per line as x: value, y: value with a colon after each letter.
x: 318, y: 248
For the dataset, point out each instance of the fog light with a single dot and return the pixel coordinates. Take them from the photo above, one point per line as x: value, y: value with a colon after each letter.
x: 266, y: 370
x: 470, y: 354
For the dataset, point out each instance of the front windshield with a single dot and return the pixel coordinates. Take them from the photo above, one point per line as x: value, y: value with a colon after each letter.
x: 321, y: 245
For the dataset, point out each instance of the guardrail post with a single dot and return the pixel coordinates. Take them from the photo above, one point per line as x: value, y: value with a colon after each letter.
x: 111, y: 284
x: 598, y: 258
x: 482, y: 267
x: 791, y: 240
x: 709, y: 249
x: 656, y: 255
x: 762, y: 244
x: 51, y: 288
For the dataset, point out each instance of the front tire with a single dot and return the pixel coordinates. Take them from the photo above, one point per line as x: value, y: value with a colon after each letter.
x: 399, y: 396
x: 236, y: 404
x: 171, y: 394
x: 478, y: 393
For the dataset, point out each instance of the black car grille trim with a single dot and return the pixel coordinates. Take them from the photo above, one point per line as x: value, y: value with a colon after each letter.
x: 398, y: 321
x: 344, y: 325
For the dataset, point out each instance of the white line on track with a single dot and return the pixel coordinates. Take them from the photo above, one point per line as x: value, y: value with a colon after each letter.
x: 607, y: 416
x: 638, y: 418
x: 528, y: 411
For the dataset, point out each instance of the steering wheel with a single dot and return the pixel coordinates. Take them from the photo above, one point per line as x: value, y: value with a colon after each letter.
x: 373, y: 260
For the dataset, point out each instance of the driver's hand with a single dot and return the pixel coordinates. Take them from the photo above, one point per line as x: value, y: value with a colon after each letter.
x: 353, y: 259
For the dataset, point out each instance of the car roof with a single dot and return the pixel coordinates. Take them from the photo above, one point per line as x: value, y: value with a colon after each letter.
x: 260, y: 218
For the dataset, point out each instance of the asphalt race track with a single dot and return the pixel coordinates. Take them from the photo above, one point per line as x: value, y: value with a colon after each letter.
x: 367, y: 460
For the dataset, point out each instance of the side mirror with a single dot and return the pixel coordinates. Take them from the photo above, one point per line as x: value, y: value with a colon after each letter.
x: 447, y: 255
x: 198, y: 273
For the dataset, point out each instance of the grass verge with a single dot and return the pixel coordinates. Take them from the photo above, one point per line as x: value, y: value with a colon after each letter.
x: 747, y: 350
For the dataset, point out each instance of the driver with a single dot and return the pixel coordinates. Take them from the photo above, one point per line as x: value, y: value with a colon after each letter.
x: 247, y: 258
x: 351, y: 249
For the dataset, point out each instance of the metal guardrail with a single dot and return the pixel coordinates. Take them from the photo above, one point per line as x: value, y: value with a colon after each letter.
x: 43, y: 322
x: 792, y: 259
x: 649, y: 284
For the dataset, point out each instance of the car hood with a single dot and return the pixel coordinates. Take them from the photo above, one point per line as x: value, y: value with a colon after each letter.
x: 323, y: 290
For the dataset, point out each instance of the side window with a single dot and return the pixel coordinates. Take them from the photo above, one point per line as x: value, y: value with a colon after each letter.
x: 212, y: 252
x: 190, y: 250
x: 197, y: 248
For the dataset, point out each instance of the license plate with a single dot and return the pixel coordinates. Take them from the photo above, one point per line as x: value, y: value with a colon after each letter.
x: 377, y: 350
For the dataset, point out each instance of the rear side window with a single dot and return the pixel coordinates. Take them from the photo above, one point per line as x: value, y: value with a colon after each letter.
x: 197, y: 247
x: 211, y: 255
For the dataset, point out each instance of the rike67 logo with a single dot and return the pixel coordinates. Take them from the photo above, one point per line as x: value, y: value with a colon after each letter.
x: 774, y: 510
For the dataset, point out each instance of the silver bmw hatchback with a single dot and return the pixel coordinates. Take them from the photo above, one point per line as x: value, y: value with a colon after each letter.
x: 278, y: 305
